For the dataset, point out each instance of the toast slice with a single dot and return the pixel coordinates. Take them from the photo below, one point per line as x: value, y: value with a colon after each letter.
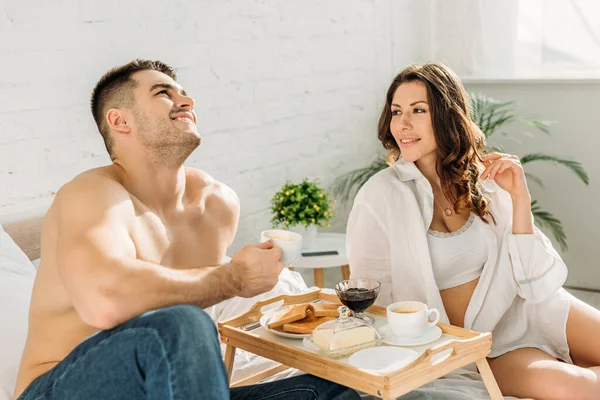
x: 326, y: 310
x: 306, y: 325
x: 290, y: 314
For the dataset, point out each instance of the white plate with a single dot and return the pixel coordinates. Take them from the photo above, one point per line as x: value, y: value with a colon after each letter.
x: 383, y: 359
x: 264, y: 320
x: 430, y: 335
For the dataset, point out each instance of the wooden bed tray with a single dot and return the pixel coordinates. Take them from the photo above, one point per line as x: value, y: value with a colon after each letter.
x: 459, y: 346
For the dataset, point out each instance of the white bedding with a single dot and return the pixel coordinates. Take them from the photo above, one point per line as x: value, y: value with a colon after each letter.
x: 16, y: 282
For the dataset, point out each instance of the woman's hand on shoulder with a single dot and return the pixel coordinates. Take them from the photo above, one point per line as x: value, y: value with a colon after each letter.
x: 507, y: 171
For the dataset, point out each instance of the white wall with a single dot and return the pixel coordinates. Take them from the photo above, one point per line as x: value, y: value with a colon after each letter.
x: 284, y: 89
x: 576, y: 134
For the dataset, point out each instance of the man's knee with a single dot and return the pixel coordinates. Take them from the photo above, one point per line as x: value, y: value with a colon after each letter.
x: 181, y: 320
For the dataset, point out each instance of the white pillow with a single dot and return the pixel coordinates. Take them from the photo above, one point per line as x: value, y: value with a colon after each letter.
x: 16, y: 282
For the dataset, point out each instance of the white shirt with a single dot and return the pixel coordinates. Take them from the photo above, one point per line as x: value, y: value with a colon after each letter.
x: 518, y: 298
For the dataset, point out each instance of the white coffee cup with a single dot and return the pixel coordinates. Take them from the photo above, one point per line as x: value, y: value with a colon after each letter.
x: 289, y: 242
x: 409, y: 319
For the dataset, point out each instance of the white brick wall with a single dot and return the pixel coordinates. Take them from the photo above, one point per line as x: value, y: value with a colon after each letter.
x: 284, y: 89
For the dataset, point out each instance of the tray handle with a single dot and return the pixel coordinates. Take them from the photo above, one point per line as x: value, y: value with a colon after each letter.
x: 285, y: 297
x: 450, y: 348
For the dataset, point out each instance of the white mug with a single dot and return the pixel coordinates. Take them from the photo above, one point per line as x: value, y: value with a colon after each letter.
x: 289, y: 242
x: 410, y: 319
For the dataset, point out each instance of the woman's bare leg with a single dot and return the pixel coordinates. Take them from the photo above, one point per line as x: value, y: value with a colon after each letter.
x: 583, y: 334
x: 533, y: 373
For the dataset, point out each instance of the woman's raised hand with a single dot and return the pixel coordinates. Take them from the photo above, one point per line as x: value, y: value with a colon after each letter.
x: 506, y: 170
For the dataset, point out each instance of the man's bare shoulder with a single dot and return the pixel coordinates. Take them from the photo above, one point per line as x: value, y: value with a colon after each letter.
x: 205, y: 186
x: 92, y: 193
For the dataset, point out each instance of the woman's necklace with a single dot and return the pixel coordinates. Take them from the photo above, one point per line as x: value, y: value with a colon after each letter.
x: 448, y: 211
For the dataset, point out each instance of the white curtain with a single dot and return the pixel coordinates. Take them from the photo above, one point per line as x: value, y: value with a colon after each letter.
x: 517, y: 38
x: 476, y: 38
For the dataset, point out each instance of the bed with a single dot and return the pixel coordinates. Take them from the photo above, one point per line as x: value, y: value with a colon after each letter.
x: 27, y: 235
x: 248, y: 368
x: 19, y: 246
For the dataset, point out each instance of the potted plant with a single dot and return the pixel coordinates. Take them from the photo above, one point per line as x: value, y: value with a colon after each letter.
x: 491, y: 116
x: 302, y: 208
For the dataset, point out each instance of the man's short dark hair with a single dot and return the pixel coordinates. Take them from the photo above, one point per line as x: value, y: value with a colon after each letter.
x: 115, y: 89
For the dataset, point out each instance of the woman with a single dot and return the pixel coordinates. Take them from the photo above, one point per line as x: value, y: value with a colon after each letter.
x: 453, y: 228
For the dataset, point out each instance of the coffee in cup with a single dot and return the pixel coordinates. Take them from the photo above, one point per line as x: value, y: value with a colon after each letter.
x: 289, y: 242
x: 410, y: 319
x: 404, y: 311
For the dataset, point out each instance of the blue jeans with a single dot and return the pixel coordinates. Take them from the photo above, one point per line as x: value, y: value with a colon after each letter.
x: 168, y: 354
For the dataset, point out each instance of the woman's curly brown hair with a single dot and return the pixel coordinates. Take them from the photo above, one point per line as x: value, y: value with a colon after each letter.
x: 459, y: 140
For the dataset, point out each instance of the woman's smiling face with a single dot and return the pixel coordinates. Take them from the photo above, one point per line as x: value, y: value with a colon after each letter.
x: 411, y: 123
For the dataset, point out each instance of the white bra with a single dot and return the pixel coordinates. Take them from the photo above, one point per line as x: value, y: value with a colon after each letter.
x: 458, y: 257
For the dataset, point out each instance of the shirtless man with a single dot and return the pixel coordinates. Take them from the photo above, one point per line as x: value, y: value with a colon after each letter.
x: 132, y: 252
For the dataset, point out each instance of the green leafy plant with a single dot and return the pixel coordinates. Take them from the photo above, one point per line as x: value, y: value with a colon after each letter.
x: 305, y: 204
x: 492, y: 116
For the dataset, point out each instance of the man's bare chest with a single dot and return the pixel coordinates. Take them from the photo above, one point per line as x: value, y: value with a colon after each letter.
x: 182, y: 243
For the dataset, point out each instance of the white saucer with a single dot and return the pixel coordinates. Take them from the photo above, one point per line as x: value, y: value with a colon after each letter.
x: 430, y: 335
x: 384, y: 359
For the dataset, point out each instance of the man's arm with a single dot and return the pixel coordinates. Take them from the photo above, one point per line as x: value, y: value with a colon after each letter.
x: 97, y: 261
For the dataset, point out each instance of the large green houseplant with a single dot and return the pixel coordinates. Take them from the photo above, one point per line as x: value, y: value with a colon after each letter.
x: 491, y: 116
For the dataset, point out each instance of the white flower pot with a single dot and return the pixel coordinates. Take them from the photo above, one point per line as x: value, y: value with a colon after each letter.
x: 309, y: 235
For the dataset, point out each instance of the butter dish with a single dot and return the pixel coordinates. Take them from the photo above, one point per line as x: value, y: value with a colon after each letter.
x: 343, y: 336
